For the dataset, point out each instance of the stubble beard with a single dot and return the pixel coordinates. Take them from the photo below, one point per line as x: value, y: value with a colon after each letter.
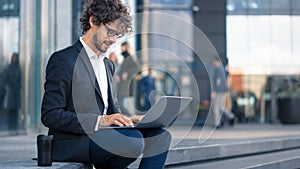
x: 98, y: 44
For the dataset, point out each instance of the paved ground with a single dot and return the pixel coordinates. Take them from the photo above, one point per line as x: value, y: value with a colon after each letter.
x: 19, y: 150
x: 198, y: 136
x: 240, y: 131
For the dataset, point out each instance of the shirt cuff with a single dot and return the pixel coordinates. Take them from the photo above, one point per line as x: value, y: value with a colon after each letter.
x: 97, y: 124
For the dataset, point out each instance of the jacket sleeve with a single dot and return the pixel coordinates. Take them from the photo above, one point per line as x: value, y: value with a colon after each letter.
x: 58, y: 91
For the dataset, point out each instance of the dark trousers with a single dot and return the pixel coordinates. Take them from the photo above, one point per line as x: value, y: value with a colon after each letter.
x: 117, y: 148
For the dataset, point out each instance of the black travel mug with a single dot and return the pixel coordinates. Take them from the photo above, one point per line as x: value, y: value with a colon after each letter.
x: 44, y: 148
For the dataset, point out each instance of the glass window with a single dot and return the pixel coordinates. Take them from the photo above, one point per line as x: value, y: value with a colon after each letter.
x: 170, y: 2
x: 258, y: 41
x: 296, y: 41
x: 236, y: 6
x: 263, y: 7
x: 169, y: 43
x: 262, y: 42
x: 295, y: 5
x: 9, y: 42
x: 280, y: 41
x: 280, y: 6
x: 237, y: 40
x: 258, y: 7
x: 9, y: 8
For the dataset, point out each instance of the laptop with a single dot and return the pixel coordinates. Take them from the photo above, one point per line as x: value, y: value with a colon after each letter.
x: 161, y: 114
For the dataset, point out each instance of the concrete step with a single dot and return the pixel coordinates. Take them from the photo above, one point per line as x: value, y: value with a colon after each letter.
x: 288, y: 159
x: 31, y: 164
x: 191, y: 151
x: 216, y: 149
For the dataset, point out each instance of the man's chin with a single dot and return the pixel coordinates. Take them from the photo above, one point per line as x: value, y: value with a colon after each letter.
x: 103, y: 50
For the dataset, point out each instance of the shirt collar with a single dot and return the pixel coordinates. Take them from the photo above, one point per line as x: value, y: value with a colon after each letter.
x: 91, y: 54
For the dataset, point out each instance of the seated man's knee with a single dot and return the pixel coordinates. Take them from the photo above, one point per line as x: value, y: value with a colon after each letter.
x: 133, y: 143
x: 123, y: 142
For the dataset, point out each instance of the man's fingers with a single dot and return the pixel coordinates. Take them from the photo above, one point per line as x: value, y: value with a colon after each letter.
x: 123, y: 120
x: 116, y: 122
x: 126, y: 121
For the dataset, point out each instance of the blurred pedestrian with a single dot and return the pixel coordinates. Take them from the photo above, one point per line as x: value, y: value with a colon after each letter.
x: 218, y: 96
x: 12, y: 77
x: 127, y: 75
x: 147, y: 89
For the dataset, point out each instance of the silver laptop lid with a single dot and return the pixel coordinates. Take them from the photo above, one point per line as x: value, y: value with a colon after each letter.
x: 164, y: 111
x: 161, y: 114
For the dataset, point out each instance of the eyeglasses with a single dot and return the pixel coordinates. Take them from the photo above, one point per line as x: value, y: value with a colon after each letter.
x: 111, y: 32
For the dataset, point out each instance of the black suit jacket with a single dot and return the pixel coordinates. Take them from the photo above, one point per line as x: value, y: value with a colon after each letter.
x: 72, y: 102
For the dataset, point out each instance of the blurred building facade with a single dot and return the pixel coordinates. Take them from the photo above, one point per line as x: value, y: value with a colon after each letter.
x: 246, y: 34
x: 262, y: 48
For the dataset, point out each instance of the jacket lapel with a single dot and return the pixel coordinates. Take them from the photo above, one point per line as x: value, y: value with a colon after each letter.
x: 85, y: 59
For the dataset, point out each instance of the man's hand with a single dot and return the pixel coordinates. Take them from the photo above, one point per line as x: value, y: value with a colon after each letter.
x: 115, y: 119
x: 136, y: 118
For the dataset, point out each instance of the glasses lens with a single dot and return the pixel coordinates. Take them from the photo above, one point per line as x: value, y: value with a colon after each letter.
x: 111, y: 32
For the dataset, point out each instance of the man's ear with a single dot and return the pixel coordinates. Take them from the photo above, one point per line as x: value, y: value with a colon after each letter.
x: 91, y: 21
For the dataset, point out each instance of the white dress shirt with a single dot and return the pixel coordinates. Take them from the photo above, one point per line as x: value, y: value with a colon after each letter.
x: 100, y: 72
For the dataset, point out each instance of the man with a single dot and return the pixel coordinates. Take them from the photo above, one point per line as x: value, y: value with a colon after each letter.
x: 218, y: 91
x: 147, y: 89
x: 12, y: 78
x: 127, y: 76
x: 79, y: 99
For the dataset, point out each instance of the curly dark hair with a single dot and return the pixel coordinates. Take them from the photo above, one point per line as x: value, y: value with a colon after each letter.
x: 106, y: 11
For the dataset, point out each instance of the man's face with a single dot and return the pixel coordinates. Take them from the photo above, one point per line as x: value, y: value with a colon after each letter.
x: 105, y: 36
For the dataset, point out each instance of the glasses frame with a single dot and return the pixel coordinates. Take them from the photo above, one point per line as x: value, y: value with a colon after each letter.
x: 112, y: 32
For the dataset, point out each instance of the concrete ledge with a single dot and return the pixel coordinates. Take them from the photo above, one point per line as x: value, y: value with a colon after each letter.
x: 218, y: 151
x: 260, y: 146
x: 33, y: 165
x: 273, y: 160
x: 280, y: 164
